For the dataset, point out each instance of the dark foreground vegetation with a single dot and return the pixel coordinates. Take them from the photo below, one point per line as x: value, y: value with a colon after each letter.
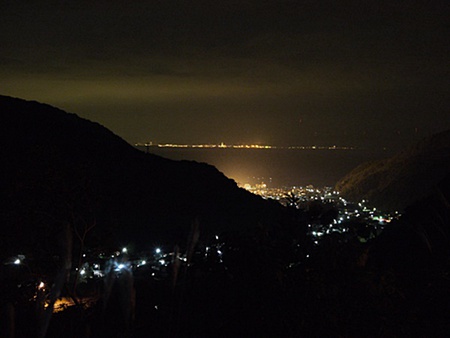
x: 270, y: 282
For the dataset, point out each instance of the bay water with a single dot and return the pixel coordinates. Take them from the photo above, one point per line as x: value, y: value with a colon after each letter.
x: 278, y: 167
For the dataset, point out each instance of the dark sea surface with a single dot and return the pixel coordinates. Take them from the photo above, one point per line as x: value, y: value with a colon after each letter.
x: 278, y: 167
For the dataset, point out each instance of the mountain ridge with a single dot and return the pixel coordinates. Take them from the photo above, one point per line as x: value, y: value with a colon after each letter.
x: 396, y: 182
x: 60, y: 165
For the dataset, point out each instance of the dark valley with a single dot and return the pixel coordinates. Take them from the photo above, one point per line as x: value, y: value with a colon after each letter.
x: 81, y: 208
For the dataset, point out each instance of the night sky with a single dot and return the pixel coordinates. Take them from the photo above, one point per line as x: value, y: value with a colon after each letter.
x: 359, y: 73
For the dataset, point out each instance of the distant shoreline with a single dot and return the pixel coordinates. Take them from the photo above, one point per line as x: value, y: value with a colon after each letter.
x: 282, y: 166
x: 240, y: 146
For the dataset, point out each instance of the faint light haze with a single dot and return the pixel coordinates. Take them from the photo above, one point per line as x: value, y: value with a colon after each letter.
x: 364, y: 74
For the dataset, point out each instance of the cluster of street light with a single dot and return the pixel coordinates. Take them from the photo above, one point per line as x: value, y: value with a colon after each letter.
x: 155, y: 263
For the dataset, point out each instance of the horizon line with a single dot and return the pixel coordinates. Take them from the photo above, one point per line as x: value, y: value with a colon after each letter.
x: 240, y: 146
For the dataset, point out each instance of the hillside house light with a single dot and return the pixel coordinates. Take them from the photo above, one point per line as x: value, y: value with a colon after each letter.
x: 15, y: 260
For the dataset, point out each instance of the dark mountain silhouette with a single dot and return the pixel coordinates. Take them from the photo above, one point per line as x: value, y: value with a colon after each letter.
x: 394, y: 183
x: 58, y: 168
x: 420, y: 239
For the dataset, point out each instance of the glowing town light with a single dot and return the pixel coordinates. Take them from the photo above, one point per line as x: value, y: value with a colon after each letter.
x: 158, y: 250
x: 82, y: 272
x: 124, y: 250
x: 17, y: 261
x: 98, y: 273
x: 41, y: 285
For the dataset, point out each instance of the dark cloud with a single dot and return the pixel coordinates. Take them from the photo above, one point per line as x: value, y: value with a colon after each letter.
x: 235, y: 70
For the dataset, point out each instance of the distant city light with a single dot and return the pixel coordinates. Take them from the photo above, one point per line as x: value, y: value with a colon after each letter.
x: 240, y: 146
